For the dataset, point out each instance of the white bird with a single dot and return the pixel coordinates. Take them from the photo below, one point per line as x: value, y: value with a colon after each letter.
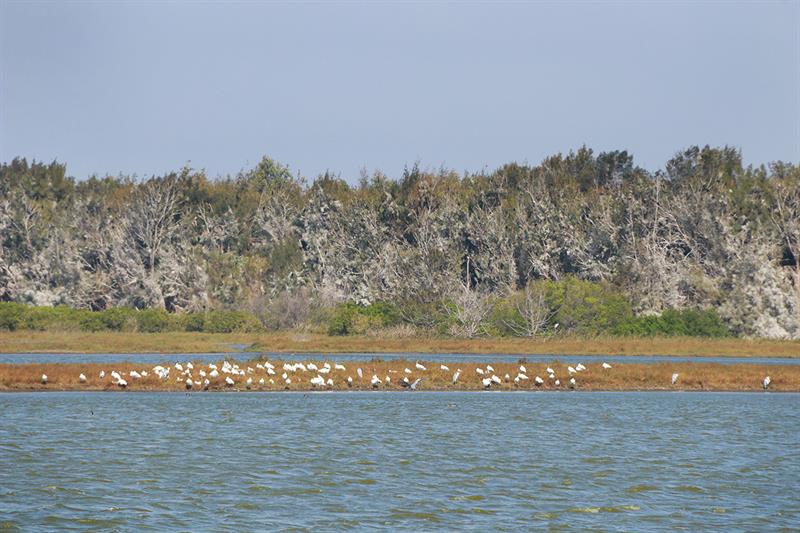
x: 270, y: 371
x: 479, y: 371
x: 507, y: 378
x: 311, y: 366
x: 288, y: 381
x: 115, y: 375
x: 606, y: 366
x: 330, y: 382
x: 178, y: 367
x: 360, y: 373
x: 558, y: 382
x: 489, y: 368
x: 188, y: 383
x: 456, y: 376
x: 248, y: 383
x: 521, y: 376
x: 213, y: 374
x: 261, y: 381
x: 259, y: 366
x: 339, y: 367
x: 285, y: 376
x: 144, y: 373
x: 674, y: 378
x: 516, y: 381
x: 122, y: 383
x: 388, y: 379
x: 206, y: 383
x: 375, y: 381
x: 349, y: 381
x: 420, y: 367
x: 134, y: 374
x: 571, y: 370
x: 413, y: 386
x: 189, y: 366
x: 82, y: 379
x: 202, y: 373
x: 249, y: 370
x: 487, y: 382
x: 269, y: 365
x: 495, y: 379
x: 522, y: 369
x: 102, y: 374
x: 766, y: 383
x: 444, y: 368
x: 318, y: 381
x: 549, y: 370
x: 551, y: 376
x: 539, y: 381
x: 572, y: 383
x: 405, y: 380
x: 407, y: 370
x: 228, y: 381
x: 324, y: 370
x: 580, y: 367
x: 44, y: 379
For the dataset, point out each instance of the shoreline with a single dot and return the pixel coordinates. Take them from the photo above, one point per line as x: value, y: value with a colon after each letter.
x: 55, y: 342
x: 255, y: 376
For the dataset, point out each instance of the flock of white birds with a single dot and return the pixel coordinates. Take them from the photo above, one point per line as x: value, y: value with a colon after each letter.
x: 266, y: 372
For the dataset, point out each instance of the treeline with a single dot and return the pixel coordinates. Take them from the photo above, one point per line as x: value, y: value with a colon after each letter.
x: 517, y: 251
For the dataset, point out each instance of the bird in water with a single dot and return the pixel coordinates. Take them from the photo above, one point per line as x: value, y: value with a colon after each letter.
x: 766, y: 382
x: 674, y: 378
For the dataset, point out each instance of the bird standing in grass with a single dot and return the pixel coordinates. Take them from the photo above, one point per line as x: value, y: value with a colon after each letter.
x: 606, y: 366
x: 766, y: 382
x: 456, y: 375
x: 674, y: 378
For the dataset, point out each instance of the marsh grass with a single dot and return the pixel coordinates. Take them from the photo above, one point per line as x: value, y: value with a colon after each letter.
x: 291, y: 341
x: 627, y: 376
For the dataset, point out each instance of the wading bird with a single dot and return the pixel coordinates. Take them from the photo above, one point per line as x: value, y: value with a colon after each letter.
x: 44, y: 379
x: 444, y: 368
x: 766, y: 382
x: 606, y: 366
x: 456, y: 375
x: 674, y: 378
x: 420, y: 367
x: 82, y: 379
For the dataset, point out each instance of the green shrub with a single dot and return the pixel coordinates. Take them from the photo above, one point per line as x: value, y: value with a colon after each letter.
x: 153, y: 321
x: 230, y: 321
x: 349, y: 318
x: 12, y: 315
x: 585, y: 307
x: 119, y: 318
x: 59, y: 318
x: 674, y: 322
x: 193, y: 321
x: 342, y: 319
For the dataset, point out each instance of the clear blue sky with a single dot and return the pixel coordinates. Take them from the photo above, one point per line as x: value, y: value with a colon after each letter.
x: 145, y: 87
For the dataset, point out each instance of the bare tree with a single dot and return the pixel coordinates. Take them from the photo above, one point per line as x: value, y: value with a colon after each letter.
x: 154, y: 217
x: 534, y: 311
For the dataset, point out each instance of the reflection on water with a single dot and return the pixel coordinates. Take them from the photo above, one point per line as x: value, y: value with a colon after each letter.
x: 399, y: 461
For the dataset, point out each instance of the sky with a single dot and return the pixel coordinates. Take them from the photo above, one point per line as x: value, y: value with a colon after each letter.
x: 145, y: 88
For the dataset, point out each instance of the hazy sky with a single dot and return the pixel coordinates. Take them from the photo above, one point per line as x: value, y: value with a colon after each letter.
x: 145, y: 87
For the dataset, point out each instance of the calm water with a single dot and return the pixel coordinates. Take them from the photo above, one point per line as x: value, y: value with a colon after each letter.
x: 444, y: 358
x: 399, y: 461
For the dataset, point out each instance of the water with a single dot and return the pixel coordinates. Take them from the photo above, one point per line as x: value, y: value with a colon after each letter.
x: 153, y: 358
x: 399, y: 461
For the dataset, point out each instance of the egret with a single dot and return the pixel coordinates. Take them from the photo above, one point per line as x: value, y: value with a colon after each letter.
x: 487, y: 382
x: 558, y: 383
x: 178, y: 367
x: 479, y: 371
x: 549, y: 370
x: 419, y: 367
x: 270, y: 371
x: 674, y: 378
x: 82, y: 379
x: 456, y: 376
x: 206, y: 383
x: 413, y: 386
x: 213, y: 374
x: 44, y: 379
x: 571, y: 370
x: 580, y: 367
x: 444, y: 368
x: 248, y: 383
x: 134, y: 374
x: 339, y: 367
x: 122, y: 383
x: 189, y: 366
x: 115, y: 375
x: 375, y: 381
x: 507, y: 378
x: 522, y: 376
x: 102, y: 374
x: 188, y: 383
x: 360, y: 373
x: 329, y: 382
x: 324, y: 370
x: 539, y: 381
x: 404, y: 382
x: 228, y: 381
x: 349, y: 381
x: 489, y: 368
x: 311, y: 366
x: 571, y: 383
x: 318, y: 381
x: 766, y: 382
x: 202, y: 373
x: 606, y: 366
x: 407, y: 370
x: 495, y: 379
x: 522, y: 369
x: 261, y: 381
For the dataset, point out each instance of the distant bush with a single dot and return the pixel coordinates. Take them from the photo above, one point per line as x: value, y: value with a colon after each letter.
x: 11, y: 315
x: 118, y: 318
x: 585, y: 307
x: 230, y: 321
x: 349, y: 318
x: 674, y: 322
x: 153, y: 321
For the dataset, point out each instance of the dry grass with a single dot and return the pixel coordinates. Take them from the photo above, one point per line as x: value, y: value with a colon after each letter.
x: 181, y: 342
x: 628, y: 376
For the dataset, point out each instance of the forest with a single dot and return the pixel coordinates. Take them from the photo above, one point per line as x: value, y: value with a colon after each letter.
x: 582, y: 243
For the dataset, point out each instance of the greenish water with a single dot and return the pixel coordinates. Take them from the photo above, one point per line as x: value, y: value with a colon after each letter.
x: 399, y: 461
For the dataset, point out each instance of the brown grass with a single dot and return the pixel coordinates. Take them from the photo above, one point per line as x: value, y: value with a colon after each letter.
x: 628, y: 376
x: 181, y: 342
